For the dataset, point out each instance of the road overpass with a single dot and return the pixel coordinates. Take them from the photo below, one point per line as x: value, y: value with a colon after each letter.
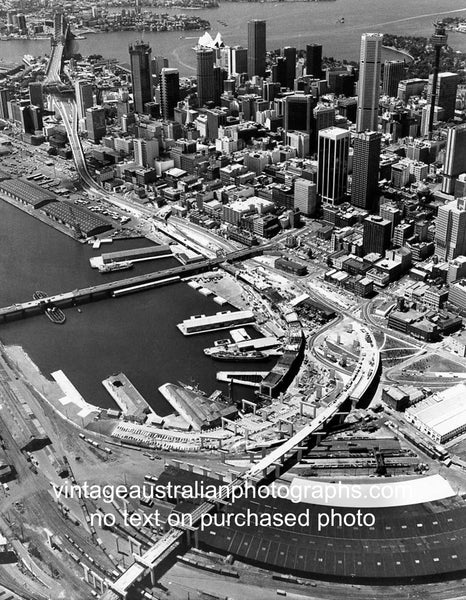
x: 364, y: 375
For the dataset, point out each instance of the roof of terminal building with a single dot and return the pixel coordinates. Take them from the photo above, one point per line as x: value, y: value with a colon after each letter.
x: 361, y: 495
x: 422, y: 540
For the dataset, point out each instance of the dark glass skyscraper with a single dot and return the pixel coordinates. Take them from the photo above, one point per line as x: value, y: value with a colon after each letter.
x: 141, y: 74
x: 366, y: 158
x: 376, y: 235
x: 393, y: 72
x: 314, y: 60
x: 205, y: 75
x: 290, y: 57
x: 169, y: 92
x: 256, y: 48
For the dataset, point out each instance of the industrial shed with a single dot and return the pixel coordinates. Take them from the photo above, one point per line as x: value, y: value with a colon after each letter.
x: 77, y: 217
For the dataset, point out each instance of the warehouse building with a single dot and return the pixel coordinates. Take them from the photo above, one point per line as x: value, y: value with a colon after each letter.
x: 26, y: 192
x: 83, y: 221
x: 441, y: 416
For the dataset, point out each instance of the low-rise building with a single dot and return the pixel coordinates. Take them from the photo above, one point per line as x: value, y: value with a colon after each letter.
x: 441, y: 416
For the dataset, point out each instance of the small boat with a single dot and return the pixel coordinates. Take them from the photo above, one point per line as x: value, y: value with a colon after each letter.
x: 38, y: 295
x: 56, y: 315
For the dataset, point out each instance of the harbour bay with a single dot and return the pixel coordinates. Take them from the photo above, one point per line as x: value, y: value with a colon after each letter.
x: 306, y: 22
x: 102, y: 338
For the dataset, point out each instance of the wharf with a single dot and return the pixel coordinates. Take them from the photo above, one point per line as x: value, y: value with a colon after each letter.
x: 246, y: 378
x: 131, y: 402
x: 72, y: 404
x: 40, y: 216
x: 134, y: 255
x: 264, y: 343
x: 239, y: 335
x: 196, y: 409
x: 222, y: 320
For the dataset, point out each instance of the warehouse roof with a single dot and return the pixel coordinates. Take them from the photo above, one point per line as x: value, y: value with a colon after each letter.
x: 72, y: 215
x: 25, y: 191
x: 443, y: 412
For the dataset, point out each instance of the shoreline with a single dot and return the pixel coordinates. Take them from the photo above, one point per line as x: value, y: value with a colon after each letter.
x: 403, y: 52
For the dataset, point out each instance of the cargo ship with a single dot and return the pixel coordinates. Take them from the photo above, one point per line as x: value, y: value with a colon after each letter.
x: 116, y: 266
x: 56, y: 315
x: 238, y: 356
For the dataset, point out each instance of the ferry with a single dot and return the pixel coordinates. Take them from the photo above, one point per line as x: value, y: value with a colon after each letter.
x: 56, y: 315
x: 116, y: 266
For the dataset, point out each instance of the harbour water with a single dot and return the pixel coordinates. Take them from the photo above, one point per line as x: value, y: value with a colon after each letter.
x: 288, y: 23
x: 134, y: 334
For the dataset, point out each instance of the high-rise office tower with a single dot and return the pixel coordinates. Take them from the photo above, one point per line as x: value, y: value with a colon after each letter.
x: 438, y: 40
x: 314, y: 60
x: 366, y: 158
x: 332, y: 172
x: 376, y: 235
x: 305, y: 197
x: 270, y: 90
x: 35, y: 94
x: 24, y: 116
x: 279, y: 71
x: 21, y: 22
x: 158, y: 63
x: 455, y: 157
x: 205, y: 75
x: 4, y: 97
x: 369, y: 81
x: 141, y: 74
x: 393, y: 73
x: 219, y: 77
x: 146, y: 151
x: 238, y: 60
x: 450, y: 230
x: 447, y: 86
x: 324, y: 117
x: 256, y: 48
x: 298, y: 113
x: 84, y: 97
x: 289, y: 54
x: 169, y: 92
x: 95, y: 123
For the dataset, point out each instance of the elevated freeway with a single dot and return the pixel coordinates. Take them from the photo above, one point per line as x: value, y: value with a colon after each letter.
x: 363, y: 376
